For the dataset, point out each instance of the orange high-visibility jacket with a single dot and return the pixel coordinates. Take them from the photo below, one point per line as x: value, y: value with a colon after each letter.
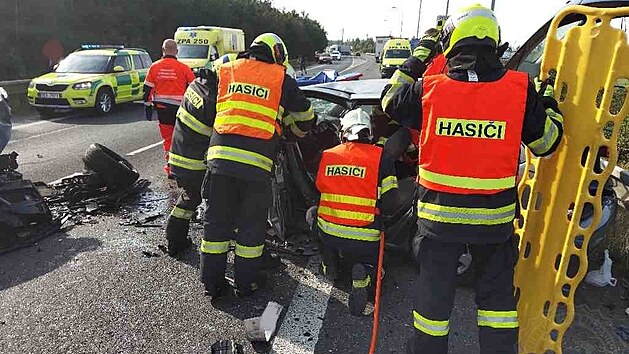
x: 348, y: 182
x: 249, y: 94
x: 471, y: 133
x: 169, y: 79
x: 437, y: 66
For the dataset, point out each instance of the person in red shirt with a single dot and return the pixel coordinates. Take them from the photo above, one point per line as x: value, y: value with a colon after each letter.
x: 164, y: 87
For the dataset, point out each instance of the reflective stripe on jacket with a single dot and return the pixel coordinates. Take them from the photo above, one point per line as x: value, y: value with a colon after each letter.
x: 249, y: 94
x: 471, y: 133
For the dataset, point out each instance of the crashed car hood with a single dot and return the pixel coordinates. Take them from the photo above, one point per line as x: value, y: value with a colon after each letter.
x: 65, y: 78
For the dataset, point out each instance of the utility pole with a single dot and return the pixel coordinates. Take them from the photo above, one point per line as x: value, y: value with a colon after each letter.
x: 419, y: 17
x: 493, y: 5
x: 17, y: 21
x: 342, y: 34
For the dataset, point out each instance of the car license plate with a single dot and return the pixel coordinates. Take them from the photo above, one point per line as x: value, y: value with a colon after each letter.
x: 49, y: 95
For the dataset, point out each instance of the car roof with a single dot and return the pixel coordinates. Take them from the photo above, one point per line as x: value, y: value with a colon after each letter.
x: 358, y: 90
x: 109, y: 51
x: 599, y: 2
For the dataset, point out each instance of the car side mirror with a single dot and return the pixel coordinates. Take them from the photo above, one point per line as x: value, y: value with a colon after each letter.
x: 118, y: 69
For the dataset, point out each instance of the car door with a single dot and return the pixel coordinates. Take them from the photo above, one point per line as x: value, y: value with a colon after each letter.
x: 137, y: 79
x: 123, y: 78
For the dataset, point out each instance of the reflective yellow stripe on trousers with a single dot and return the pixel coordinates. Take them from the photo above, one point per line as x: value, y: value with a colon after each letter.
x: 241, y: 156
x: 467, y: 216
x: 431, y: 327
x: 467, y: 182
x: 211, y: 247
x: 180, y: 213
x: 498, y: 319
x: 249, y: 251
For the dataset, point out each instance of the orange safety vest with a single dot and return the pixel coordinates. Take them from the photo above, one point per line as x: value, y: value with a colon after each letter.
x: 348, y: 182
x: 249, y: 93
x: 169, y: 79
x: 437, y: 66
x: 471, y: 133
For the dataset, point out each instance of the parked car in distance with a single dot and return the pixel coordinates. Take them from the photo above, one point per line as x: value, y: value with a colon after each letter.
x: 336, y: 55
x: 324, y: 58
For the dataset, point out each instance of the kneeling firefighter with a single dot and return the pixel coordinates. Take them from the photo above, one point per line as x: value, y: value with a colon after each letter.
x: 191, y: 138
x: 472, y: 122
x: 358, y: 188
x: 256, y: 99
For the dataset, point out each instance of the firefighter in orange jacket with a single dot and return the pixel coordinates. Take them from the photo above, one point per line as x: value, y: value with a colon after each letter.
x: 256, y: 101
x: 472, y: 123
x: 358, y: 188
x: 164, y: 87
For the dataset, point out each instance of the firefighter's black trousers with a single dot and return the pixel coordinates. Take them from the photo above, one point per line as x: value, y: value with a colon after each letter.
x: 179, y: 219
x: 234, y: 204
x: 493, y: 265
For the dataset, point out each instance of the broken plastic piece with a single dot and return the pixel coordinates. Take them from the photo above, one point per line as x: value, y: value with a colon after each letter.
x: 602, y: 276
x: 261, y: 329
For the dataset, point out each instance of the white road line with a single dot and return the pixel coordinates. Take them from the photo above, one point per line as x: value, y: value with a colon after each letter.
x: 28, y: 125
x: 354, y: 66
x: 144, y: 148
x: 299, y: 331
x: 43, y: 134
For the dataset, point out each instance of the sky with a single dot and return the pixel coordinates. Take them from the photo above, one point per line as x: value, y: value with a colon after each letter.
x: 370, y: 18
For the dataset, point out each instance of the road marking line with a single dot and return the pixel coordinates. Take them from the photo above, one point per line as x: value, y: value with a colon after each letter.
x: 354, y: 66
x: 28, y: 125
x: 42, y: 134
x: 145, y: 148
x: 299, y: 332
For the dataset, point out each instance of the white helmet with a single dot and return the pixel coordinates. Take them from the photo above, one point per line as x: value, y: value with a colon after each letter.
x: 354, y: 122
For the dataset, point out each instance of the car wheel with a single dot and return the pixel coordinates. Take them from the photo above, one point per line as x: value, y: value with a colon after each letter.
x: 46, y: 112
x: 113, y: 169
x: 104, y: 101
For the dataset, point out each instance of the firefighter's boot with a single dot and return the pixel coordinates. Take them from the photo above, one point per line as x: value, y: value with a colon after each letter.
x: 177, y: 236
x: 361, y: 282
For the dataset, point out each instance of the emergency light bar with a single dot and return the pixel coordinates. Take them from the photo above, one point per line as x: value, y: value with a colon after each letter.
x: 101, y: 46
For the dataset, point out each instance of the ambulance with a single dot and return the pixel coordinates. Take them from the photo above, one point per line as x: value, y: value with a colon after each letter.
x: 202, y: 44
x: 394, y: 54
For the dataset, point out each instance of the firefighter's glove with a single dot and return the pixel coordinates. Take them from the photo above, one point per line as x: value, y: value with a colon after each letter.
x: 148, y: 111
x: 426, y: 49
x: 311, y: 215
x: 546, y: 92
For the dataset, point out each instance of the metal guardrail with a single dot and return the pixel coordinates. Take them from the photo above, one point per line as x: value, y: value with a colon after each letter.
x: 17, y: 95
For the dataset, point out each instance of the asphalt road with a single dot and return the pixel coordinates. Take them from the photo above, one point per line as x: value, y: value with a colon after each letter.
x: 92, y: 289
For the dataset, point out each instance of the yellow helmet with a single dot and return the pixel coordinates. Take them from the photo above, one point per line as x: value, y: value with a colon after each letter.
x: 474, y: 22
x: 275, y: 44
x: 226, y: 58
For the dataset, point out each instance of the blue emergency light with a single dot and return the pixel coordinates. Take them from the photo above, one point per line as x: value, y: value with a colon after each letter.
x: 101, y: 46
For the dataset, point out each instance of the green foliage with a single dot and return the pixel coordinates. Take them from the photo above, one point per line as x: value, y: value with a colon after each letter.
x: 363, y: 45
x: 27, y: 25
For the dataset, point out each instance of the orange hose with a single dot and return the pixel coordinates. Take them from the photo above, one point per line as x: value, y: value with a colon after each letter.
x: 376, y: 310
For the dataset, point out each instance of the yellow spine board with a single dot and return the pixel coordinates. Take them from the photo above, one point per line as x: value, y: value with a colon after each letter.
x: 589, y: 58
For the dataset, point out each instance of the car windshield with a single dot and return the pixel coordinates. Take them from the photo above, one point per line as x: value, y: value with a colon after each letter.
x: 75, y: 63
x: 397, y: 53
x: 191, y: 51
